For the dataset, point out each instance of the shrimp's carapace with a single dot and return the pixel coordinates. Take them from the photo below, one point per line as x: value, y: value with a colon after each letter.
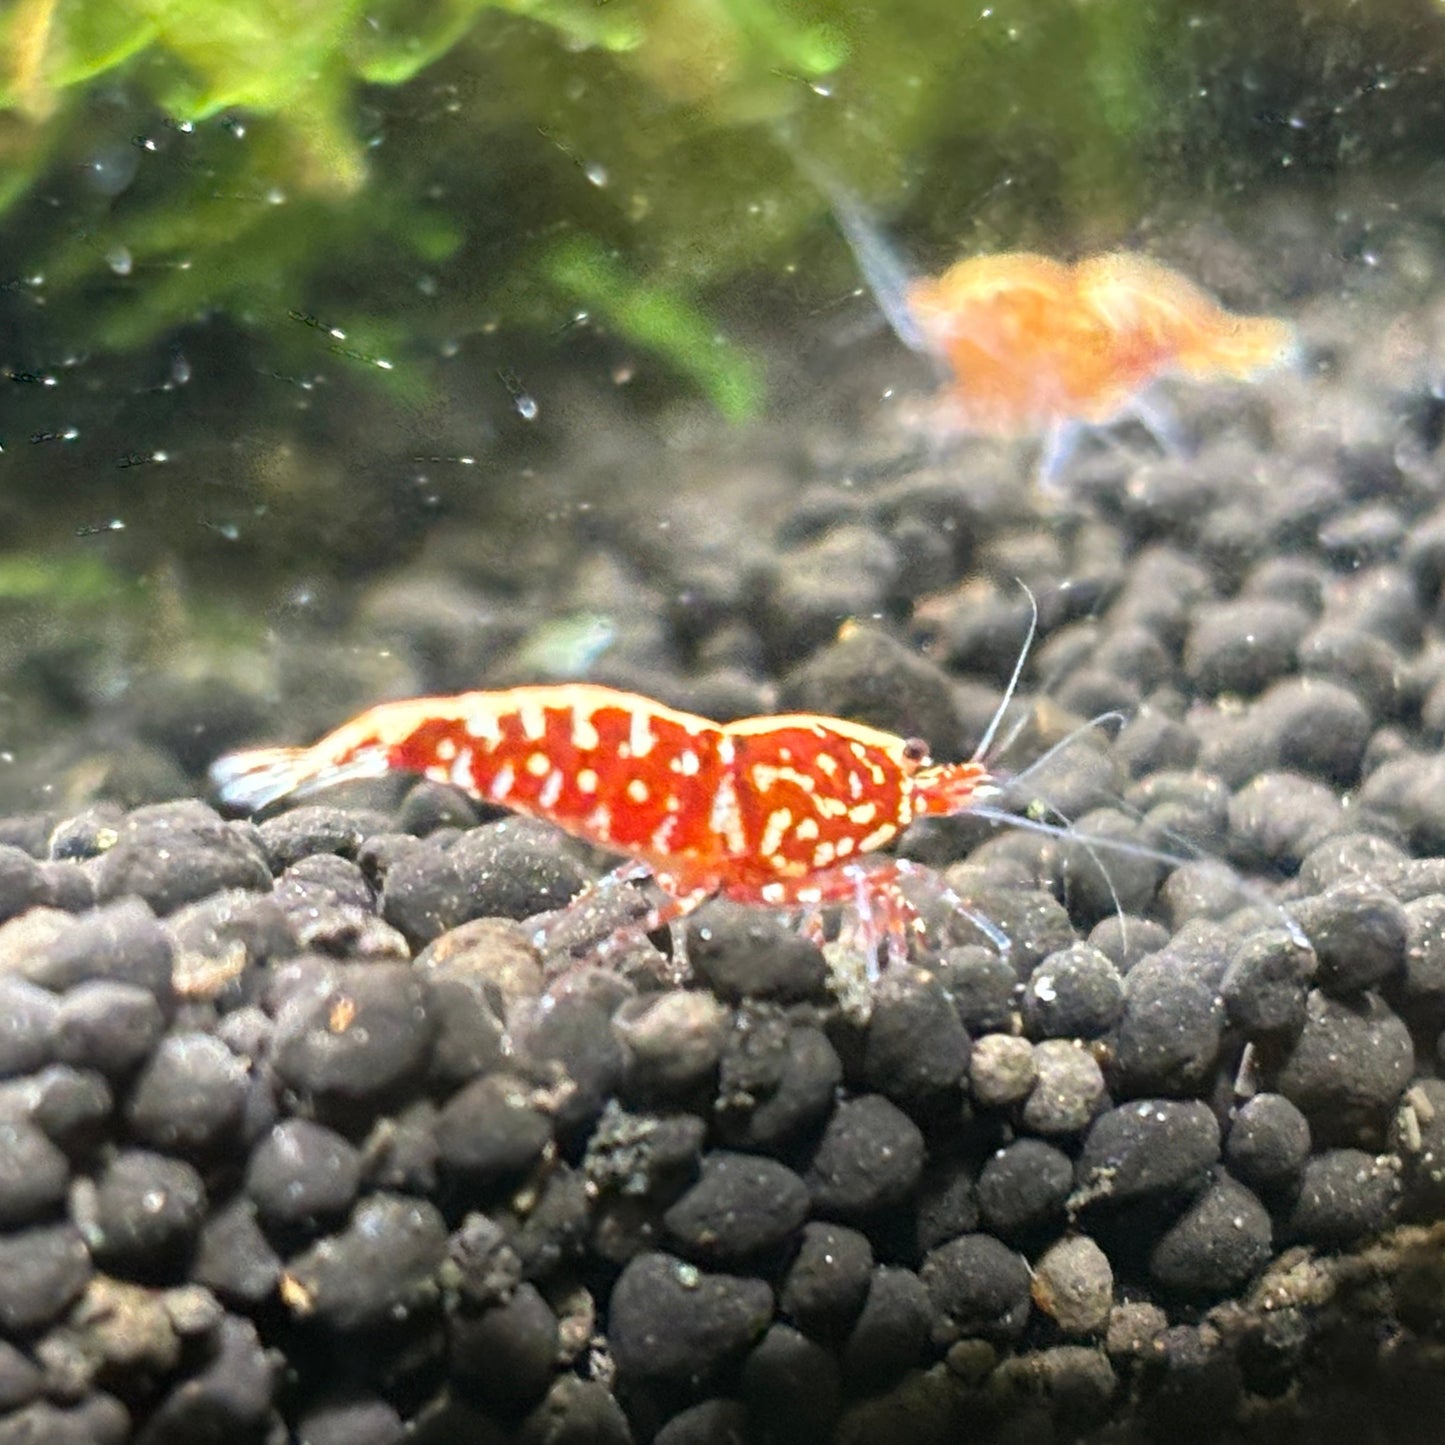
x: 1032, y: 342
x: 769, y: 810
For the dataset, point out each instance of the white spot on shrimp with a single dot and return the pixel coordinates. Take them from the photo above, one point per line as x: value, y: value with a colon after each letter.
x: 726, y: 751
x: 483, y: 725
x: 584, y: 734
x: 724, y: 818
x: 855, y: 785
x: 863, y: 814
x: 766, y: 777
x: 533, y: 717
x: 446, y: 749
x: 501, y: 784
x: 462, y: 769
x: 640, y: 737
x: 832, y: 807
x: 824, y: 855
x: 686, y: 762
x: 587, y: 781
x: 551, y: 789
x: 877, y: 838
x: 637, y: 791
x: 845, y: 847
x: 807, y: 830
x: 775, y: 830
x: 539, y: 765
x: 662, y: 834
x: 774, y: 893
x: 826, y: 764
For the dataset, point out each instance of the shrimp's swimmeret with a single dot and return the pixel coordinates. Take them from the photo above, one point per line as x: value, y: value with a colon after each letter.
x: 770, y: 810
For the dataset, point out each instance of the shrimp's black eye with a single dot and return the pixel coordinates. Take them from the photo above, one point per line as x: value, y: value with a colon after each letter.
x: 915, y: 750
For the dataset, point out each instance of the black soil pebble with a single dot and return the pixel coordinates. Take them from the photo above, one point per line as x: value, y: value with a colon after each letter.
x: 339, y: 1128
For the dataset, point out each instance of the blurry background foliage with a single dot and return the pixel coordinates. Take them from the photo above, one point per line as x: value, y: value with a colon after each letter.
x: 207, y: 204
x: 240, y: 154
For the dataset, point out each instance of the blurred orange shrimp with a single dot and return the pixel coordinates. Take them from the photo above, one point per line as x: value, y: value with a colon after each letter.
x: 1034, y: 346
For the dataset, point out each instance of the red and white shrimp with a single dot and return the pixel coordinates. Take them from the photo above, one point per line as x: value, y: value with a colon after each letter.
x: 778, y: 811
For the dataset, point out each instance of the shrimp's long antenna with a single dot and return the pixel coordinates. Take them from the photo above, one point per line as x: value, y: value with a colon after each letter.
x: 1008, y: 693
x: 887, y: 277
x: 1071, y: 835
x: 885, y: 273
x: 1041, y: 762
x: 1133, y: 850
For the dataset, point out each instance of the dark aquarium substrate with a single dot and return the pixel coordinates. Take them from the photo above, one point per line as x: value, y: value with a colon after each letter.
x: 304, y: 1138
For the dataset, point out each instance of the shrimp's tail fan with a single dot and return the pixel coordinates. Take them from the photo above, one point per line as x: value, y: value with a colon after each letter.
x: 253, y: 780
x: 1246, y: 347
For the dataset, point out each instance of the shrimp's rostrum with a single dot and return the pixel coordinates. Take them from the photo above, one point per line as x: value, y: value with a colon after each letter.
x: 769, y: 810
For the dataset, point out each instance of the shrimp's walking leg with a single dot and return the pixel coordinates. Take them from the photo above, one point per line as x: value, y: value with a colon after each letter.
x: 599, y: 923
x: 671, y: 913
x: 906, y: 868
x: 1161, y: 421
x: 1060, y: 442
x: 591, y: 913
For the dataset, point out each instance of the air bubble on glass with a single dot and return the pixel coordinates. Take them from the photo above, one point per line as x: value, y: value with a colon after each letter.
x: 111, y: 170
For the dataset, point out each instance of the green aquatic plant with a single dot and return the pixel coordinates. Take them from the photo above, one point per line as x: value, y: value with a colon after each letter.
x: 413, y: 174
x: 56, y: 580
x: 253, y: 152
x: 659, y: 320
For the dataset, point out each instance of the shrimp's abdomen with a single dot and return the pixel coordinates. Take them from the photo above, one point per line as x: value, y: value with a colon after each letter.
x: 1159, y: 321
x: 615, y: 769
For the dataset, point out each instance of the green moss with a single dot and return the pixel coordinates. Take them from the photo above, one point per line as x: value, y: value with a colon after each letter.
x: 658, y: 319
x: 323, y: 155
x: 58, y: 581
